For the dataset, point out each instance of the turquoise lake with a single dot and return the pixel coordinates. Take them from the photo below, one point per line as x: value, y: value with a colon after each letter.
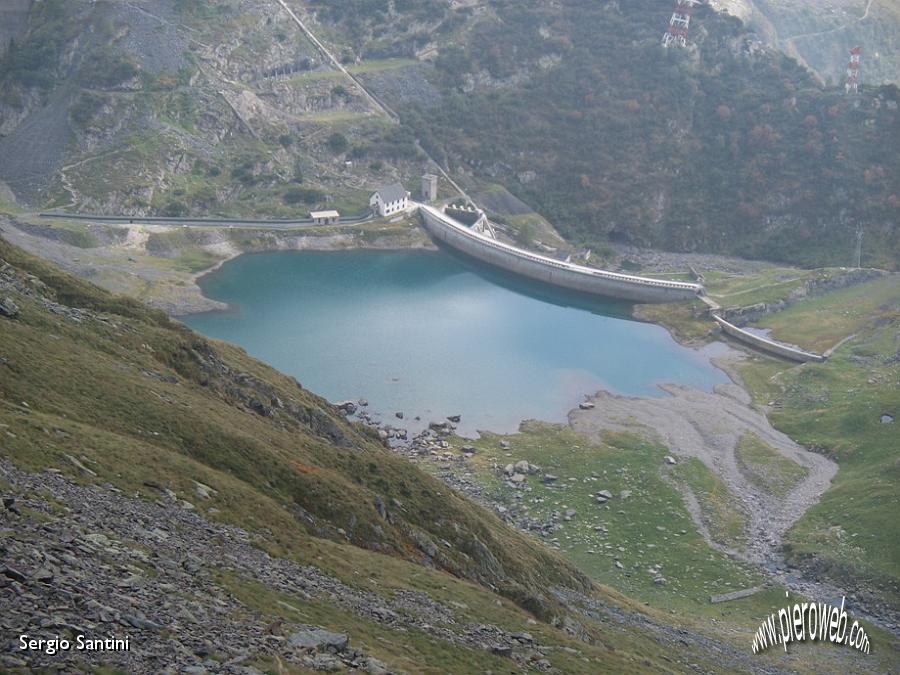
x: 431, y: 334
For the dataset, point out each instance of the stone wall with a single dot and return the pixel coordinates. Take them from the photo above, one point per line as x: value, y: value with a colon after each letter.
x: 742, y: 315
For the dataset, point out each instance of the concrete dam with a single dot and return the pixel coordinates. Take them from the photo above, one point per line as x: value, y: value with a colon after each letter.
x: 459, y: 236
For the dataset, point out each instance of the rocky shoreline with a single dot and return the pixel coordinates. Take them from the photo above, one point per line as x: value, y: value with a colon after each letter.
x: 137, y: 260
x: 691, y: 423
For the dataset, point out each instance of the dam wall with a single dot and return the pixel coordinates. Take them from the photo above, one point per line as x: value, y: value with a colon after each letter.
x: 767, y: 345
x: 550, y: 271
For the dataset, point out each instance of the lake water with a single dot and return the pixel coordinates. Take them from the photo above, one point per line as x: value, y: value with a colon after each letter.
x: 431, y: 334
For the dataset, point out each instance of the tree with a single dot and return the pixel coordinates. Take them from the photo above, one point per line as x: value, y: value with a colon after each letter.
x: 338, y: 142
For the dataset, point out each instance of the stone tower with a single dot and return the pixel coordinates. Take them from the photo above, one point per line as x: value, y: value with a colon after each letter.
x: 429, y: 187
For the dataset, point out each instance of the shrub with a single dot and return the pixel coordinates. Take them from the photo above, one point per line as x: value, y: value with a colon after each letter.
x: 297, y: 195
x: 338, y: 142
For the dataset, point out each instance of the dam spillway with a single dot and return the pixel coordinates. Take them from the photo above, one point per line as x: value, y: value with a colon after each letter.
x: 554, y: 272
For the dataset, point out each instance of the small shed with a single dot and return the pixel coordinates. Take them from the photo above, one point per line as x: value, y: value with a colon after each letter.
x: 325, y: 217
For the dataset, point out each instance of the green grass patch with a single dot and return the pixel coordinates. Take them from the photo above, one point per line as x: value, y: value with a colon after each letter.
x: 686, y: 320
x: 767, y: 468
x: 196, y: 260
x: 724, y: 521
x: 820, y: 322
x: 836, y: 408
x: 379, y: 65
x: 648, y: 526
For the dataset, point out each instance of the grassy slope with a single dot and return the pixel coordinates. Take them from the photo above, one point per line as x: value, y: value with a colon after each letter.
x: 836, y: 408
x: 647, y: 527
x: 767, y: 468
x: 303, y: 455
x: 78, y: 388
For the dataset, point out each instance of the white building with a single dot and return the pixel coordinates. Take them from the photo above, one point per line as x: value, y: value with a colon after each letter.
x: 389, y: 200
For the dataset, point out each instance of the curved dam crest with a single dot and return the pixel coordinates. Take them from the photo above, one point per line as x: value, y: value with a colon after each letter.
x: 432, y: 334
x: 566, y: 275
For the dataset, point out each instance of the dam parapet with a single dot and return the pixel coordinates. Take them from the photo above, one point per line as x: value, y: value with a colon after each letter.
x: 472, y: 241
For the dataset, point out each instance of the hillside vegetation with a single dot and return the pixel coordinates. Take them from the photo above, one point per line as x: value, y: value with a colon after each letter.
x: 725, y: 146
x: 122, y: 411
x: 175, y: 107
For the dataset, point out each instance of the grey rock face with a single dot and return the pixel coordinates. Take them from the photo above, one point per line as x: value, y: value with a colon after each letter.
x: 8, y: 308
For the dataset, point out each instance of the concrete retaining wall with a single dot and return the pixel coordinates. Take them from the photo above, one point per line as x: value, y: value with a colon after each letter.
x: 766, y: 345
x: 163, y: 220
x: 548, y: 270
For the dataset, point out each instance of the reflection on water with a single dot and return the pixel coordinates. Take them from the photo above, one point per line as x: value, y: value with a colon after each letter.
x: 431, y: 335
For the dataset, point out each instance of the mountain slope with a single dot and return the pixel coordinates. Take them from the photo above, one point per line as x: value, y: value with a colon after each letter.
x: 724, y: 146
x: 176, y: 106
x: 142, y: 464
x: 821, y: 32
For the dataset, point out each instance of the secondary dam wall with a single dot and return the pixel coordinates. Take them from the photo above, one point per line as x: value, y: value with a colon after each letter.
x: 554, y: 272
x: 766, y: 345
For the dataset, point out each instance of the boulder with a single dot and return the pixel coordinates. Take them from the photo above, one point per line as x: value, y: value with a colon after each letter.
x: 13, y: 574
x: 44, y: 575
x: 10, y: 504
x: 348, y: 407
x: 141, y: 623
x: 586, y: 405
x: 509, y: 469
x: 318, y: 639
x: 8, y: 308
x: 454, y: 418
x: 324, y: 663
x: 549, y: 478
x: 204, y: 491
x: 670, y: 460
x: 373, y: 666
x: 79, y: 465
x: 605, y: 494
